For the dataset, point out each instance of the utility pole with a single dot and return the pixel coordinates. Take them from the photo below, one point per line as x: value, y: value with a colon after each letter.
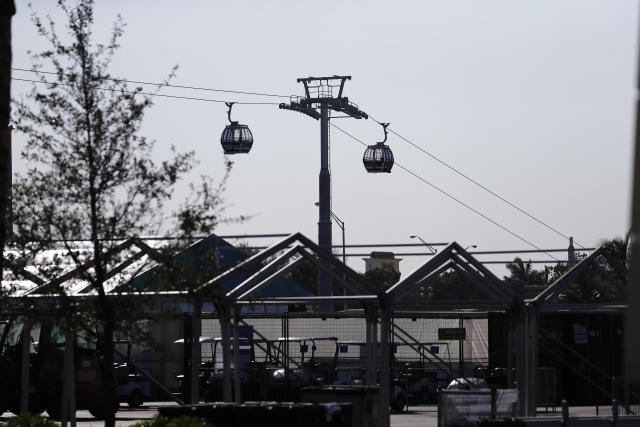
x: 324, y: 94
x: 7, y: 10
x: 632, y: 326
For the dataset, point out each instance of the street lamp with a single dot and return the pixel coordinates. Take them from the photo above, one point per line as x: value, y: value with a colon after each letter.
x: 433, y: 250
x: 471, y: 246
x: 341, y: 225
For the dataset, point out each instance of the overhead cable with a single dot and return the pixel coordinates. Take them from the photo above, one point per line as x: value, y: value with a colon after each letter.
x: 240, y: 92
x: 473, y: 181
x: 434, y: 157
x: 452, y: 168
x: 471, y: 208
x: 132, y: 92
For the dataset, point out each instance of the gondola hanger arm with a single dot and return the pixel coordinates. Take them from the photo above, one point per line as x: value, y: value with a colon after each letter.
x: 230, y: 105
x: 384, y: 127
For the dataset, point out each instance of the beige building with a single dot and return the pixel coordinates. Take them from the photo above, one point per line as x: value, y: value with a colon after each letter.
x: 382, y: 260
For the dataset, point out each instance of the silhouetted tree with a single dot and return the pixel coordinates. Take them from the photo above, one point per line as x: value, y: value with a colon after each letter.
x: 583, y: 290
x: 383, y: 278
x: 524, y: 273
x: 91, y: 174
x: 450, y: 285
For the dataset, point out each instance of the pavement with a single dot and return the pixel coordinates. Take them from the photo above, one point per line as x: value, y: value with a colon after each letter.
x: 423, y: 416
x: 125, y: 417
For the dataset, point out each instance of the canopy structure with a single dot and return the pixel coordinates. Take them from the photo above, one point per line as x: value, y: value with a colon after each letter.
x: 231, y: 282
x: 600, y: 278
x: 595, y: 284
x: 453, y: 257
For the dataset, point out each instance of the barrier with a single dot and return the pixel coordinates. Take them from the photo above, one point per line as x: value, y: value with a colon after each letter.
x: 362, y: 399
x: 267, y: 414
x: 468, y: 407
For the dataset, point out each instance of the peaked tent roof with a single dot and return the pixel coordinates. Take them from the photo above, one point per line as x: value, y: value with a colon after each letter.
x: 207, y: 258
x: 581, y: 270
x: 261, y: 276
x: 453, y: 256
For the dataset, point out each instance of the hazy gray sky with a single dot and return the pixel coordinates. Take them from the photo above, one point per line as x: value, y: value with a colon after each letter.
x: 533, y: 99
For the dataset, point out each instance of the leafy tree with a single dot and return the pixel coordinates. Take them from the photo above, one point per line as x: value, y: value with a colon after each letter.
x: 383, y: 278
x: 616, y: 247
x: 450, y: 285
x: 91, y: 175
x: 584, y: 290
x: 31, y: 420
x: 556, y: 271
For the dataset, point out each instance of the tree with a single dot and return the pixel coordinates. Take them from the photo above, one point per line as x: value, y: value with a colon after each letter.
x: 450, y: 285
x: 524, y: 273
x: 90, y: 173
x: 382, y: 277
x: 583, y: 290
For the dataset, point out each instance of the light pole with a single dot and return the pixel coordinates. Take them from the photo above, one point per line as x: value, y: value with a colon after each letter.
x: 433, y: 250
x: 471, y: 246
x: 341, y: 225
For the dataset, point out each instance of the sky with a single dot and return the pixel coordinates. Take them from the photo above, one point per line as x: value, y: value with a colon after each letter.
x: 534, y: 100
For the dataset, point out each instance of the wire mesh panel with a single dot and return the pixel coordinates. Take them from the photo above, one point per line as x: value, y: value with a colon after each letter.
x: 462, y: 408
x: 421, y: 362
x: 546, y: 387
x: 332, y: 350
x: 467, y: 407
x: 476, y: 343
x: 424, y: 331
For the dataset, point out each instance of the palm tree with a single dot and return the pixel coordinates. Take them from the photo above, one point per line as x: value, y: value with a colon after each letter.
x: 524, y: 273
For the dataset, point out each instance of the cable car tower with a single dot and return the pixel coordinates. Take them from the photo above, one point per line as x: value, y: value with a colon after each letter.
x: 324, y: 94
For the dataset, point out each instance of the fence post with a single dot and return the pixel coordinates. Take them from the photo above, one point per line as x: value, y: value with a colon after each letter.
x: 24, y: 366
x: 440, y: 414
x: 493, y: 403
x: 627, y: 410
x: 565, y: 412
x: 187, y: 356
x: 614, y: 413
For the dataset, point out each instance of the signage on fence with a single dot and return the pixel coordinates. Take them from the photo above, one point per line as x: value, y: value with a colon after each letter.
x: 446, y: 334
x: 244, y: 331
x: 580, y: 334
